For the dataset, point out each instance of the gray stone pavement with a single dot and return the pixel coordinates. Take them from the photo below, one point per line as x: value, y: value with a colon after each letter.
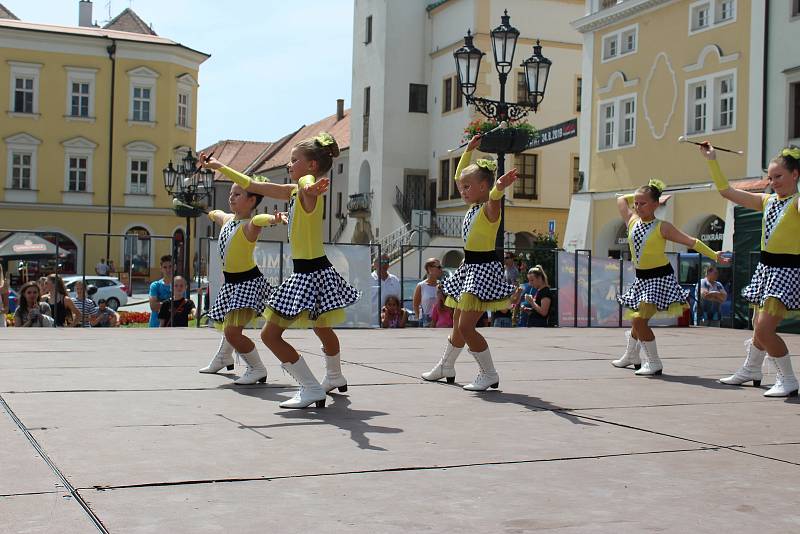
x: 138, y: 441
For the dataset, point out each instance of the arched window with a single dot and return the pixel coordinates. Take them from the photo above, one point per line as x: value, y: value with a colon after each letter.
x: 137, y: 251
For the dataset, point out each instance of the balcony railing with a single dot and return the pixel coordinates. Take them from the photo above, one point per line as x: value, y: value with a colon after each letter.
x: 447, y: 225
x: 360, y: 202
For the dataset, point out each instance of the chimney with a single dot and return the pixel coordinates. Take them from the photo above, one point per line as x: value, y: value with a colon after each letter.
x: 339, y: 109
x: 85, y: 13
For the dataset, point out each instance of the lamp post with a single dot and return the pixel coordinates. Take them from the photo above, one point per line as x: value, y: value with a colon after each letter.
x: 190, y: 188
x: 537, y: 70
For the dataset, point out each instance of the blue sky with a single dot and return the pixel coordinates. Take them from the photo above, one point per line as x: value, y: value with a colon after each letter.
x: 275, y: 64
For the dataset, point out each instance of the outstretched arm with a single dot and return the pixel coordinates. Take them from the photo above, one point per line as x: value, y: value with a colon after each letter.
x: 670, y: 233
x: 253, y: 228
x: 754, y: 201
x: 308, y: 190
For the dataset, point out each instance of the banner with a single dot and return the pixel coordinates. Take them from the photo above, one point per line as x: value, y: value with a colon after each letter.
x: 554, y: 134
x: 274, y: 260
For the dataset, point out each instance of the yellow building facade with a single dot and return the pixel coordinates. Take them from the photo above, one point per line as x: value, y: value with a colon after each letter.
x: 657, y: 70
x: 92, y: 117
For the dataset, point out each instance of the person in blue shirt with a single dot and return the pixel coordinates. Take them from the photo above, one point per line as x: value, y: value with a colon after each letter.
x: 712, y: 295
x: 160, y: 290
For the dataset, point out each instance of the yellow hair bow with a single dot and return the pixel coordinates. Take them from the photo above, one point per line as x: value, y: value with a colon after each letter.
x: 657, y: 184
x: 488, y: 164
x: 792, y: 152
x: 324, y: 139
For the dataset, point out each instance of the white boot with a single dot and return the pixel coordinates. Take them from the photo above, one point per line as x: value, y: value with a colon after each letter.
x: 223, y: 358
x: 333, y: 374
x: 487, y: 376
x: 255, y: 372
x: 652, y: 363
x: 446, y: 366
x: 631, y: 354
x: 751, y: 370
x: 310, y: 391
x: 785, y: 382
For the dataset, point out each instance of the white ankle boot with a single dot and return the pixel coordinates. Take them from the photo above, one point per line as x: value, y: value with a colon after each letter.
x: 223, y: 358
x: 333, y: 374
x: 785, y: 382
x: 751, y: 370
x: 310, y: 391
x: 487, y: 376
x: 255, y: 372
x: 652, y: 363
x: 631, y: 354
x: 446, y: 366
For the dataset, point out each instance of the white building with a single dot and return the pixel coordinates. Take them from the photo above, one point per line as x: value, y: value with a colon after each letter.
x: 782, y: 107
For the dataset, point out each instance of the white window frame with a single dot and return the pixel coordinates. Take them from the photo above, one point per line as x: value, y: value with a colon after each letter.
x: 791, y: 79
x: 19, y: 69
x: 714, y: 12
x: 143, y: 78
x: 713, y: 103
x: 617, y: 121
x: 617, y: 36
x: 140, y: 151
x: 22, y: 143
x: 79, y: 147
x: 186, y: 86
x: 81, y: 75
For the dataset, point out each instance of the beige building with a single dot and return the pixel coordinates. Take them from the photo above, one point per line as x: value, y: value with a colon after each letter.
x: 656, y: 70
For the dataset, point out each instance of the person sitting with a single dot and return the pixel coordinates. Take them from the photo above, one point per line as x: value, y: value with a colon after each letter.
x: 178, y: 310
x: 106, y: 317
x: 392, y: 314
x: 540, y: 303
x: 712, y: 295
x: 441, y: 314
x: 30, y: 311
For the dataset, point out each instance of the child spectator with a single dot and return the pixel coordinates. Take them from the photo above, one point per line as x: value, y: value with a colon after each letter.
x: 178, y: 310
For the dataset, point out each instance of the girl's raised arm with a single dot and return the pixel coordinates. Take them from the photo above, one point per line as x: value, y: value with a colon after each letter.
x: 754, y: 201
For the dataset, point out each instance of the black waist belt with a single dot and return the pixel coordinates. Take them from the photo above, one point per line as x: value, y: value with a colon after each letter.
x: 244, y: 276
x: 309, y: 266
x: 656, y: 272
x: 770, y: 259
x: 485, y: 256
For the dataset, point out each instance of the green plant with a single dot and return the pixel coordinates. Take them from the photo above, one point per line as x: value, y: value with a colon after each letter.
x: 482, y: 126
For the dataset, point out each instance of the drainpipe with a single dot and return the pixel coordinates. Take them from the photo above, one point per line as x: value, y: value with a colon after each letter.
x: 765, y: 76
x: 112, y: 55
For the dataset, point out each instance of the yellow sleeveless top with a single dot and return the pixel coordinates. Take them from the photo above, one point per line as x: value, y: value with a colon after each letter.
x: 780, y: 225
x: 646, y: 243
x: 478, y: 232
x: 305, y: 229
x: 235, y: 250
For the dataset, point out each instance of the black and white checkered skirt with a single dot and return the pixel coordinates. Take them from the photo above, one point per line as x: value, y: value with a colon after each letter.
x: 311, y: 294
x: 662, y: 291
x: 486, y: 281
x: 238, y: 295
x: 782, y: 283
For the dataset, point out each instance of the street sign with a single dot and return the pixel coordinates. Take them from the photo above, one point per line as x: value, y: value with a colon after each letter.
x: 421, y: 219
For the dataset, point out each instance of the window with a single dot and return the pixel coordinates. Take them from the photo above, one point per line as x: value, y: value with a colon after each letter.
x: 523, y: 97
x: 23, y: 95
x: 578, y: 93
x: 454, y: 192
x: 77, y: 171
x: 183, y: 110
x: 80, y: 93
x: 418, y: 98
x: 444, y: 179
x: 706, y: 14
x: 139, y: 176
x: 459, y: 98
x: 21, y: 170
x: 141, y: 104
x: 620, y: 43
x: 525, y: 186
x: 339, y: 204
x: 617, y: 123
x: 365, y: 124
x: 368, y: 30
x: 24, y: 89
x: 447, y: 95
x: 340, y: 168
x: 795, y: 8
x: 576, y: 174
x: 79, y: 101
x: 711, y: 103
x: 794, y: 110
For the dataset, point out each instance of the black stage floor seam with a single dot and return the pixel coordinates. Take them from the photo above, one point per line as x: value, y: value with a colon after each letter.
x: 59, y: 474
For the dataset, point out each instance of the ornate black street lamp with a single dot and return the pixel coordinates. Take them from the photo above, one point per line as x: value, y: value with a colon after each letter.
x: 537, y: 70
x: 190, y: 188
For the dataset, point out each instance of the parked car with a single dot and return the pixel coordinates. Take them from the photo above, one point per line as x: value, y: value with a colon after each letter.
x: 109, y: 288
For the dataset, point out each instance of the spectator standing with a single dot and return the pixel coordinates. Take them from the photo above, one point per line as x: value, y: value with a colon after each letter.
x: 382, y: 279
x: 178, y: 310
x: 528, y: 289
x: 30, y: 311
x: 441, y: 314
x: 64, y: 310
x: 425, y: 293
x: 106, y: 317
x: 511, y: 272
x: 112, y: 270
x: 540, y: 303
x: 101, y: 268
x: 87, y: 309
x: 712, y: 295
x: 160, y: 290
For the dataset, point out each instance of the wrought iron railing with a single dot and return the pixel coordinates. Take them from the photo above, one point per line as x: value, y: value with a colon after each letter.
x: 447, y: 225
x: 359, y: 202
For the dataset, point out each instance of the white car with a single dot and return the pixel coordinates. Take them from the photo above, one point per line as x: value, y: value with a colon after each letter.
x: 111, y: 289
